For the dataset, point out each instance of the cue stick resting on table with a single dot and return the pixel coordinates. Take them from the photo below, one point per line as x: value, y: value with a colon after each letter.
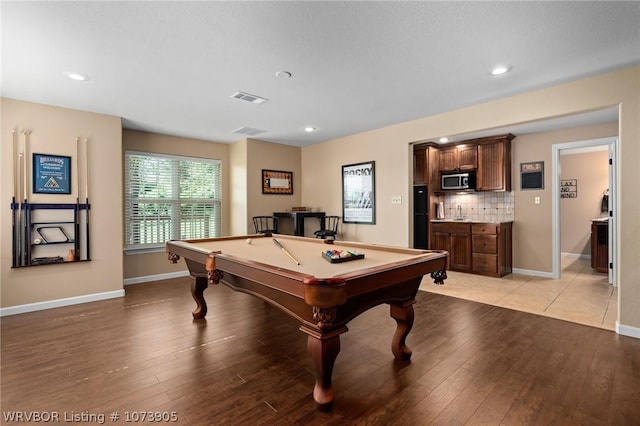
x: 276, y: 242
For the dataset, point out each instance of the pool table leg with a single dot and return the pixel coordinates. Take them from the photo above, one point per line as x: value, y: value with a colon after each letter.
x: 403, y: 314
x: 198, y: 286
x: 324, y: 350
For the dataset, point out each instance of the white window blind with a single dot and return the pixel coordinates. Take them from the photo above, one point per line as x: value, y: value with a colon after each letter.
x: 170, y: 197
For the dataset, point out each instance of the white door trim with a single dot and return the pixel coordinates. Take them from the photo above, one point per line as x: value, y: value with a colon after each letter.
x: 612, y: 142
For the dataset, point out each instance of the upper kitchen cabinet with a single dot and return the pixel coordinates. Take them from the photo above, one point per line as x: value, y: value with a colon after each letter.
x: 459, y: 157
x: 494, y: 163
x: 425, y: 165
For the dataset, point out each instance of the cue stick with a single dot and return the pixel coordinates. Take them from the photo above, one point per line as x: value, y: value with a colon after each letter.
x: 276, y: 242
x: 86, y: 192
x: 19, y: 230
x: 76, y: 214
x: 26, y: 243
x: 14, y: 214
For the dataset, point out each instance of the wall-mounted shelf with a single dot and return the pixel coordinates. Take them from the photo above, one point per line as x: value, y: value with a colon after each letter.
x: 46, y: 233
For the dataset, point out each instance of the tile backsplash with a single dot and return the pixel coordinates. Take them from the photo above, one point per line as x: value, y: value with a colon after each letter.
x: 480, y: 206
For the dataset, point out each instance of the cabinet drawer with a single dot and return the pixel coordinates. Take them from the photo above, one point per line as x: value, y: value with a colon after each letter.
x: 451, y: 227
x: 485, y: 244
x: 484, y: 228
x: 485, y: 263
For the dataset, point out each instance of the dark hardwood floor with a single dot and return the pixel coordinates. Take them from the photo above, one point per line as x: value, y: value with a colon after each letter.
x: 472, y: 364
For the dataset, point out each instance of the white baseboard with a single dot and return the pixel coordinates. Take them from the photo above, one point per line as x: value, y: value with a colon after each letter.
x: 627, y: 330
x: 532, y: 273
x: 157, y: 277
x: 576, y: 255
x: 40, y: 306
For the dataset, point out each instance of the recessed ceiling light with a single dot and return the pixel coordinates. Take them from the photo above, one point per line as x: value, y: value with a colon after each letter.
x: 76, y: 76
x: 310, y: 129
x: 283, y: 74
x: 500, y: 69
x: 443, y: 140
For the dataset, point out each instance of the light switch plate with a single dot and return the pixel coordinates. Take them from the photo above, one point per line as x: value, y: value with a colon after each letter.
x: 396, y: 199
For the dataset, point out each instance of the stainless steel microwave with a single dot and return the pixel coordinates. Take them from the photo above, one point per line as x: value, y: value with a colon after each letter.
x: 458, y: 181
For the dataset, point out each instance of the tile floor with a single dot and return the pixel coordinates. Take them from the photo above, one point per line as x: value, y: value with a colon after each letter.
x: 581, y: 295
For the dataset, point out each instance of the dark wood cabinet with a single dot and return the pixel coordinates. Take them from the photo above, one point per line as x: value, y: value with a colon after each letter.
x: 467, y: 157
x: 481, y: 248
x: 456, y: 239
x: 425, y: 165
x: 600, y: 245
x: 420, y: 165
x: 492, y: 248
x: 458, y: 157
x: 494, y: 164
x: 490, y: 157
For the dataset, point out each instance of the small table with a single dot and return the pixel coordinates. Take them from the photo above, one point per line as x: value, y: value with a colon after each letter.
x: 298, y: 219
x: 322, y: 296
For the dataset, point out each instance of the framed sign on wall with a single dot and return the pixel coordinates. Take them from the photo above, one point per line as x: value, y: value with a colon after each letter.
x: 51, y: 174
x: 277, y: 182
x: 532, y: 175
x: 358, y: 193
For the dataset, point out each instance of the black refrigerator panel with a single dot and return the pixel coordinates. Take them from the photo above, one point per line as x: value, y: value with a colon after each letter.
x: 420, y: 199
x: 420, y: 230
x: 420, y: 217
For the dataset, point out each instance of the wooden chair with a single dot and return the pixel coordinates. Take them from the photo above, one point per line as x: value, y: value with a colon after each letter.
x: 330, y: 228
x: 265, y: 224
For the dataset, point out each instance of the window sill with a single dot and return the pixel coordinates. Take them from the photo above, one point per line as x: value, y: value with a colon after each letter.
x: 129, y: 252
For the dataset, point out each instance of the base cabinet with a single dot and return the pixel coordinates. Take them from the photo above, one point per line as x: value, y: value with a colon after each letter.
x: 456, y: 239
x: 481, y: 248
x: 600, y: 245
x: 492, y: 248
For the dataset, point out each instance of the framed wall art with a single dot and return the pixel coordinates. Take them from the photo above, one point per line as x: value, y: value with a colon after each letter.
x: 277, y: 182
x: 358, y: 193
x: 532, y: 175
x: 51, y: 174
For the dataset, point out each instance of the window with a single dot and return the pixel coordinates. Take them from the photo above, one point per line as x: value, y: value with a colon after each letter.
x: 169, y: 197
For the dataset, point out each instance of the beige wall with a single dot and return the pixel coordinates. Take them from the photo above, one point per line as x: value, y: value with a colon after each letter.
x: 591, y: 170
x: 389, y: 148
x: 54, y: 131
x: 238, y: 187
x: 271, y: 156
x: 322, y: 182
x: 149, y: 264
x: 532, y: 245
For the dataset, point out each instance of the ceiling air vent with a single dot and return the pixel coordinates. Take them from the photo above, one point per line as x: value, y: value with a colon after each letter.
x: 249, y: 131
x: 254, y: 99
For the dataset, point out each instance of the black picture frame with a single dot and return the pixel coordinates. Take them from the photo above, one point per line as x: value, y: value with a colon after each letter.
x: 277, y: 182
x: 51, y: 174
x: 532, y: 175
x: 358, y: 193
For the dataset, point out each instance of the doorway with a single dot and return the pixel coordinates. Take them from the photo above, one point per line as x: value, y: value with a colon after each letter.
x: 611, y: 145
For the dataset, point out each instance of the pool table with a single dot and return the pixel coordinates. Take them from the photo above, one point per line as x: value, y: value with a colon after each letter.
x: 295, y: 277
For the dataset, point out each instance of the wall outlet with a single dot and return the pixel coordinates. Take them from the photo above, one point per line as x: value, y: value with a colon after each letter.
x: 396, y: 199
x: 536, y: 200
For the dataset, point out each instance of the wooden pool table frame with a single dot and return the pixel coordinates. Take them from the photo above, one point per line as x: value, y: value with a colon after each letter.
x: 322, y: 305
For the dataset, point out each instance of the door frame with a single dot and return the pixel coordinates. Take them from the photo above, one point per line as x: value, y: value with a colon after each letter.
x: 612, y: 144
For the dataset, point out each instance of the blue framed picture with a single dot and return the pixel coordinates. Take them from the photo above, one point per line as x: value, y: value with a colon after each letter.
x: 51, y: 174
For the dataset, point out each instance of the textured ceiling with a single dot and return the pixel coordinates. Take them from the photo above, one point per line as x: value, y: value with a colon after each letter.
x: 171, y: 67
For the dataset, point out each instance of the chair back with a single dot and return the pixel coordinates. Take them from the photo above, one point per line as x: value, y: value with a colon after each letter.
x: 330, y: 228
x: 331, y: 223
x: 265, y: 224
